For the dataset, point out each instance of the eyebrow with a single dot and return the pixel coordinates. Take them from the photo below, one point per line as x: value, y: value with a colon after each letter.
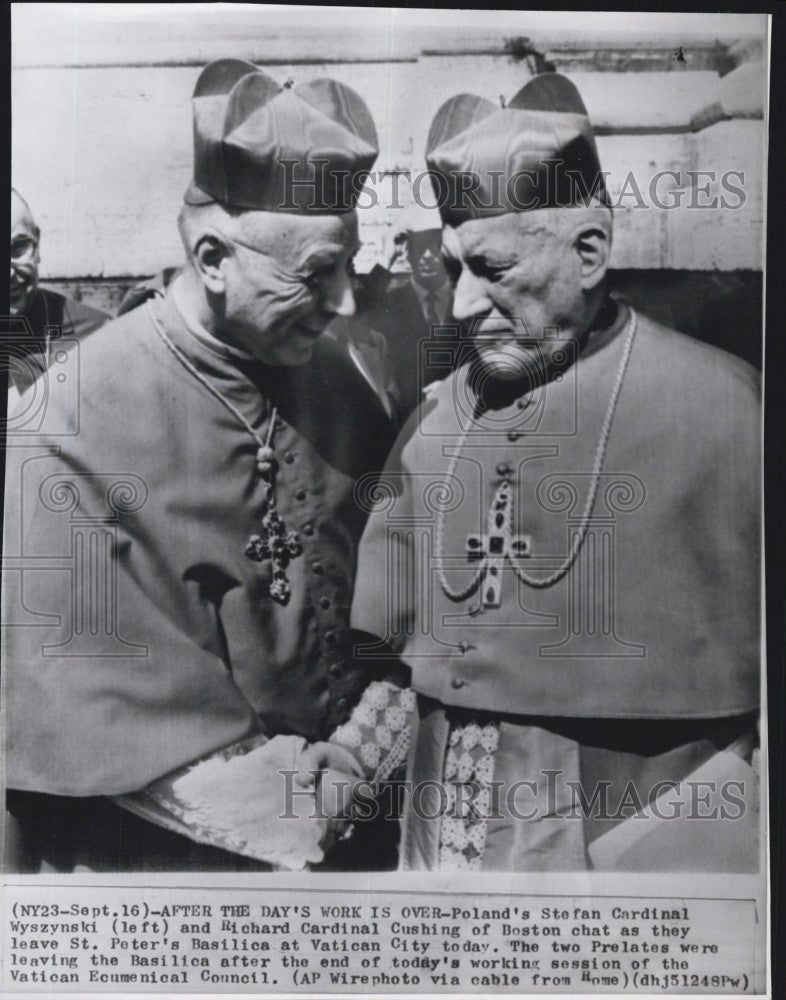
x: 328, y: 255
x: 481, y: 251
x: 489, y: 258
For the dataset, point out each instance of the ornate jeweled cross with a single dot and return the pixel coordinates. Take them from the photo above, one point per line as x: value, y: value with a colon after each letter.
x: 273, y: 541
x: 497, y: 543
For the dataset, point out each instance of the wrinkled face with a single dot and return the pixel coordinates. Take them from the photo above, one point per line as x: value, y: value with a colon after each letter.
x: 288, y: 282
x: 24, y: 255
x: 514, y: 278
x: 425, y: 258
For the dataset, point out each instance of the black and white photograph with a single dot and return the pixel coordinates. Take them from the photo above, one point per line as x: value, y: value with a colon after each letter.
x: 383, y: 538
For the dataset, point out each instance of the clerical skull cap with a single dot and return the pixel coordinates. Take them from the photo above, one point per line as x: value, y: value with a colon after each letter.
x: 538, y: 151
x: 258, y: 145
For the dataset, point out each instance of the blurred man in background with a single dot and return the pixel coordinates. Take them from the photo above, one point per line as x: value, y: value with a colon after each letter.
x: 409, y: 317
x: 50, y: 316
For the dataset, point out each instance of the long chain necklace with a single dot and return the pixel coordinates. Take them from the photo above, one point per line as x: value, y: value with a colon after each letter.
x: 503, y: 504
x: 273, y: 541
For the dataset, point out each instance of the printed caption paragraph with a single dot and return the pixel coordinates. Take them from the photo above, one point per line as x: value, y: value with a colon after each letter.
x: 279, y: 941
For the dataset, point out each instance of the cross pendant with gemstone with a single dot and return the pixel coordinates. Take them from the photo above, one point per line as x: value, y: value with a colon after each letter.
x: 497, y: 543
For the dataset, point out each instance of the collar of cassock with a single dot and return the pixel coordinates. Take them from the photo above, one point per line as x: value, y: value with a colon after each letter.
x: 201, y: 333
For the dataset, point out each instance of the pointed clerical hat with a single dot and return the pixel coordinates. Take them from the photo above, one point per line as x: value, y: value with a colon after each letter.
x: 537, y: 152
x: 258, y: 145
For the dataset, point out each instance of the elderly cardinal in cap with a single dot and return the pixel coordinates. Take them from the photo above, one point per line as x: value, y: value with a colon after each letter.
x: 564, y: 550
x: 198, y: 491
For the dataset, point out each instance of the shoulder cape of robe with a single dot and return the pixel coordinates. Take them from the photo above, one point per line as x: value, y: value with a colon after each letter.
x: 138, y: 635
x: 658, y: 616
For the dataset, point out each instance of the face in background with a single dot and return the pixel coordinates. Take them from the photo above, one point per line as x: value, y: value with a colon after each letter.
x: 280, y: 278
x: 518, y: 275
x: 25, y: 258
x: 424, y: 252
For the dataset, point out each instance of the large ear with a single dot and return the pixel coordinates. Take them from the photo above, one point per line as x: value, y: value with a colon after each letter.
x: 209, y: 258
x: 592, y: 243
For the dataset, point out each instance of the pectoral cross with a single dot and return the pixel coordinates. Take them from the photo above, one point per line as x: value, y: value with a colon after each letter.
x: 497, y: 543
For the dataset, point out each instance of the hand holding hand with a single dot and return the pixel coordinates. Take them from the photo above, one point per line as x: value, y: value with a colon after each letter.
x: 334, y: 773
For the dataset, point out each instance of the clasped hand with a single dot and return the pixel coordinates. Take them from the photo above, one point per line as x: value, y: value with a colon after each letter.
x: 334, y: 774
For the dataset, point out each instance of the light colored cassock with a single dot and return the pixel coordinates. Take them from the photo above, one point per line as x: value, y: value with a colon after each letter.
x: 642, y: 661
x: 139, y: 636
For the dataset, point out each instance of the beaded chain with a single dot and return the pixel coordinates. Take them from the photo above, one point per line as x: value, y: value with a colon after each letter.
x: 273, y: 541
x: 600, y: 454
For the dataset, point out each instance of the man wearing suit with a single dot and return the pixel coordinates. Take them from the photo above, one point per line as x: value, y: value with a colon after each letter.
x: 407, y: 318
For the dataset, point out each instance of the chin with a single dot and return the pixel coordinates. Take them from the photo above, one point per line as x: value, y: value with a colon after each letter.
x: 18, y: 304
x: 292, y: 357
x: 509, y: 362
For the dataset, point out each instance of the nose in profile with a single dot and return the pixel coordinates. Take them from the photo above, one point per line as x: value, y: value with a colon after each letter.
x: 337, y: 295
x: 470, y: 298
